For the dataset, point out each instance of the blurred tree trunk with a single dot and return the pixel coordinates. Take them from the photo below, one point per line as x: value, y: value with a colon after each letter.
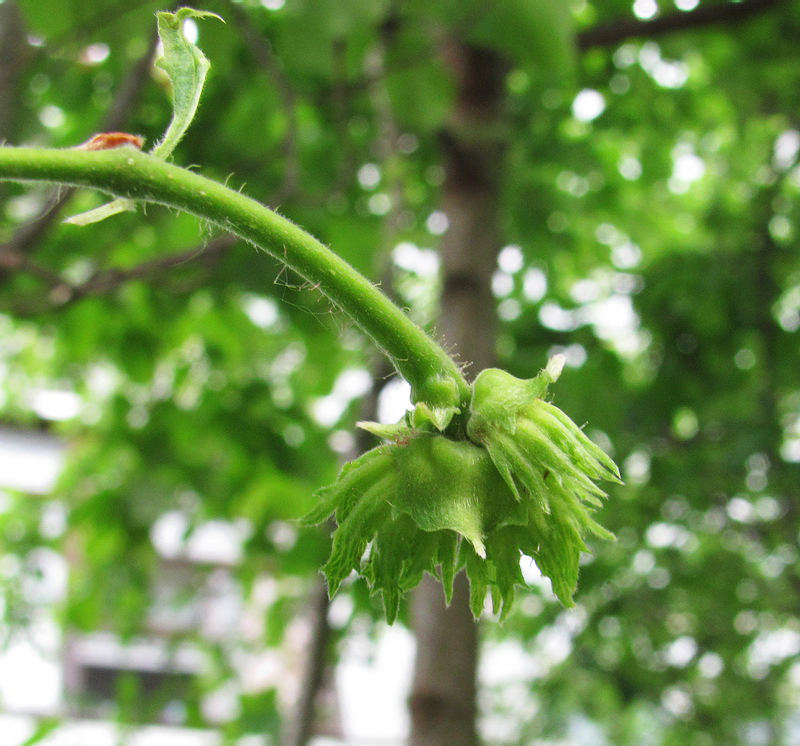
x: 443, y: 697
x: 12, y: 54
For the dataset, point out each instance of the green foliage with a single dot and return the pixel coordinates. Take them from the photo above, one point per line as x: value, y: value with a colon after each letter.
x: 534, y: 33
x: 693, y: 388
x: 444, y: 485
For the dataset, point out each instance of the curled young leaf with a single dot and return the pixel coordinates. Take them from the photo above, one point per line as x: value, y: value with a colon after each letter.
x: 186, y: 67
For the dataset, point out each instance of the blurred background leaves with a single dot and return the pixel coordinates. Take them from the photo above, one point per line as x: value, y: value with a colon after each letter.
x: 650, y: 208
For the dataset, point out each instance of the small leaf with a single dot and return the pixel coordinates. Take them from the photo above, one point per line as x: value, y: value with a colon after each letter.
x: 354, y: 480
x: 351, y: 538
x: 398, y: 431
x: 101, y: 213
x: 423, y: 416
x: 186, y: 67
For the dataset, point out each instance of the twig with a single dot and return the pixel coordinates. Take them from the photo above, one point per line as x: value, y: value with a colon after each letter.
x: 28, y: 235
x: 301, y: 725
x: 106, y: 281
x: 703, y: 16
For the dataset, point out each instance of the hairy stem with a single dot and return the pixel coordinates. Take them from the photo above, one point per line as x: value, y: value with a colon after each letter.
x: 126, y: 172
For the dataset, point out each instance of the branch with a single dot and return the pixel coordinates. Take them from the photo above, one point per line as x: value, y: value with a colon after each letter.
x: 105, y: 281
x: 301, y: 727
x: 128, y: 173
x: 28, y: 235
x: 704, y: 15
x: 301, y: 724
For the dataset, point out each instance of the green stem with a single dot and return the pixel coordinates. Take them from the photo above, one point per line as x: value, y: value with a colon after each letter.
x: 126, y: 172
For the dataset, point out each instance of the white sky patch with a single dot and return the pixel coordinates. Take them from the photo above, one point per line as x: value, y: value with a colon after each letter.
x: 666, y: 73
x: 46, y: 581
x: 790, y: 451
x: 585, y: 291
x: 509, y: 310
x: 502, y: 284
x: 559, y: 319
x: 263, y: 312
x: 29, y: 671
x: 379, y: 203
x: 787, y: 146
x: 55, y: 405
x: 52, y: 117
x: 605, y: 303
x: 30, y: 462
x: 534, y: 284
x: 710, y: 665
x: 168, y: 533
x: 408, y: 256
x: 686, y: 4
x: 644, y: 10
x: 676, y: 701
x: 369, y: 176
x: 625, y: 56
x: 741, y: 509
x: 626, y: 255
x: 787, y: 310
x: 394, y: 401
x: 629, y: 168
x: 511, y: 259
x: 661, y: 535
x: 608, y: 234
x: 671, y: 74
x: 373, y: 704
x: 506, y: 662
x: 24, y: 207
x: 680, y: 652
x: 615, y: 320
x: 222, y: 705
x: 216, y: 542
x: 770, y: 648
x: 588, y: 105
x: 437, y: 223
x: 781, y: 228
x: 94, y: 54
x: 349, y: 385
x: 190, y: 30
x: 687, y: 168
x: 572, y: 183
x: 637, y: 467
x: 575, y: 355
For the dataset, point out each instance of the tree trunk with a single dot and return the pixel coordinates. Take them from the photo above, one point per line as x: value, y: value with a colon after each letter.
x: 443, y: 698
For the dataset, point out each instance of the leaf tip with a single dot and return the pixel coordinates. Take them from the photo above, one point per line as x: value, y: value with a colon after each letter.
x: 555, y: 366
